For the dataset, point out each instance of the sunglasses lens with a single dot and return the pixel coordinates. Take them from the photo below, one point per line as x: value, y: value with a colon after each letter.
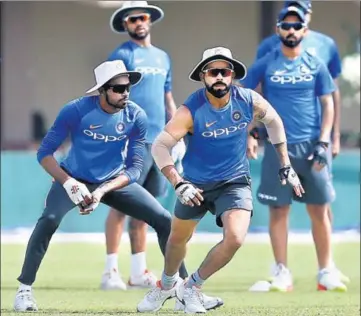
x: 135, y: 18
x: 120, y: 88
x: 287, y: 26
x: 225, y: 72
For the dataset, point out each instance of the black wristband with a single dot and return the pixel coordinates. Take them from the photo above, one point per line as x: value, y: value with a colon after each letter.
x: 179, y: 184
x: 323, y: 144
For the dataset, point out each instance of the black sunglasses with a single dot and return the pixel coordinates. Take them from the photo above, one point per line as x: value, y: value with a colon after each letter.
x: 288, y: 25
x: 213, y: 72
x: 118, y: 88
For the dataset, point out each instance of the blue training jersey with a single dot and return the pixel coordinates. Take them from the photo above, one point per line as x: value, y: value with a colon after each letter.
x: 321, y: 45
x: 155, y: 65
x: 98, y: 140
x: 293, y: 87
x: 216, y: 150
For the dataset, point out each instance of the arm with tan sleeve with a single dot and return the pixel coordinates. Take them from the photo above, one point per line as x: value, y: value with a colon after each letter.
x: 180, y: 124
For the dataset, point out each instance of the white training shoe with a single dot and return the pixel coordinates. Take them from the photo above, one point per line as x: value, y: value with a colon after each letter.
x: 111, y: 280
x: 156, y: 297
x: 25, y: 302
x: 329, y: 280
x: 343, y: 278
x: 192, y: 299
x: 281, y: 280
x: 145, y: 281
x: 209, y: 303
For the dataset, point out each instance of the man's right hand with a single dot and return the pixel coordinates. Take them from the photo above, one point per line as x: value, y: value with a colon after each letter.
x: 188, y: 194
x: 78, y: 192
x: 252, y: 147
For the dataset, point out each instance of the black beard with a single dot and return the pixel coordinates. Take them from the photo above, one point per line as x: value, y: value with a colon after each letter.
x: 218, y: 93
x: 115, y: 105
x: 291, y: 43
x: 137, y: 37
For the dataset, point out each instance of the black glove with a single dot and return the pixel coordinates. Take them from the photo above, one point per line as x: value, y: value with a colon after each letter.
x: 259, y: 133
x: 319, y: 153
x: 288, y: 174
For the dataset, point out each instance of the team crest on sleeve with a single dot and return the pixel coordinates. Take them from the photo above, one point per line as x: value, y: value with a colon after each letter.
x: 120, y: 127
x: 236, y: 116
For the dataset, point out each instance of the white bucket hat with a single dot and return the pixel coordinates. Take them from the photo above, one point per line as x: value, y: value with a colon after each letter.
x: 218, y: 53
x: 116, y: 20
x: 110, y: 69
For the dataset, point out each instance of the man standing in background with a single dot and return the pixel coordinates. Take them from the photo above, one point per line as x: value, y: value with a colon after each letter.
x: 154, y: 95
x: 325, y: 48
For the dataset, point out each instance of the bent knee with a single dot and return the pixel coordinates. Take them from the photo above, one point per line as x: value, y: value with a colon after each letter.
x: 233, y: 241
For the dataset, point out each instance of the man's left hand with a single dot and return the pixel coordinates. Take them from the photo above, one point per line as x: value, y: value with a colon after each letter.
x: 319, y: 156
x: 97, y: 195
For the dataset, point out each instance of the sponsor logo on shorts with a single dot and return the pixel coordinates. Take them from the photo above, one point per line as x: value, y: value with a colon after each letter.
x: 267, y: 197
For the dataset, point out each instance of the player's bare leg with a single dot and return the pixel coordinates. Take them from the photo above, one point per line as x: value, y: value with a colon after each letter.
x: 235, y: 227
x: 321, y: 231
x: 278, y: 231
x: 114, y: 226
x: 139, y: 275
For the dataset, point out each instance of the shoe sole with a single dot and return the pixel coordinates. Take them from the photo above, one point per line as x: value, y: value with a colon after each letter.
x: 157, y: 309
x: 276, y: 289
x: 218, y: 305
x: 322, y: 288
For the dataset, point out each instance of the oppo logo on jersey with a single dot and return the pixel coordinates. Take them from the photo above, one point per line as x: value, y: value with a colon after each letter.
x: 151, y: 71
x: 291, y: 79
x: 104, y: 138
x: 224, y: 131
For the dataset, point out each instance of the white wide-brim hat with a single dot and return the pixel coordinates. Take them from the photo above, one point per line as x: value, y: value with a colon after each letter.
x: 117, y: 19
x: 215, y: 54
x: 111, y: 69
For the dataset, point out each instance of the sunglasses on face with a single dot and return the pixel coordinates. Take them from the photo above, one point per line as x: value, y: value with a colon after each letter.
x: 144, y: 17
x: 213, y: 72
x: 288, y: 25
x: 119, y: 88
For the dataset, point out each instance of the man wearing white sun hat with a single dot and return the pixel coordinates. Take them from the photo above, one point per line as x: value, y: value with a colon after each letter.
x: 154, y: 96
x: 96, y: 168
x: 214, y: 122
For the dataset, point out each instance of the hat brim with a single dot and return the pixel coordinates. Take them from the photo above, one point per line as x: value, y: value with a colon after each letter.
x: 116, y: 20
x: 134, y: 78
x: 239, y: 68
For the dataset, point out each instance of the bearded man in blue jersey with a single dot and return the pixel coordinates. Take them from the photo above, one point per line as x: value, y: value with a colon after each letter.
x: 297, y: 82
x: 213, y: 121
x: 154, y: 95
x: 324, y: 47
x: 96, y: 168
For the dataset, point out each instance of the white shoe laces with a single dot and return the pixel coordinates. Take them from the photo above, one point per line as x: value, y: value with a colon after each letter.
x: 194, y: 295
x: 26, y: 296
x: 155, y: 294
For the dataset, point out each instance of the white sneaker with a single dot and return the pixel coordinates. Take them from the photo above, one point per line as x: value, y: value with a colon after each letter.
x: 192, y: 299
x: 282, y: 280
x: 25, y: 302
x: 329, y: 280
x: 156, y: 297
x: 111, y: 280
x: 209, y: 303
x: 343, y: 278
x: 145, y: 281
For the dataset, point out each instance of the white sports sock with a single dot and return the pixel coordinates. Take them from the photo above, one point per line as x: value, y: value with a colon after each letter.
x: 24, y: 287
x: 138, y: 264
x: 111, y: 262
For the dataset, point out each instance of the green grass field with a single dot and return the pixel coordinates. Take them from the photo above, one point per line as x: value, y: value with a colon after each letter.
x: 69, y: 278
